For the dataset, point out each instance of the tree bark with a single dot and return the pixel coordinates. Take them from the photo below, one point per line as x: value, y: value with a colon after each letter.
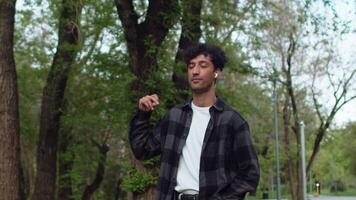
x: 144, y: 39
x: 9, y: 111
x: 90, y: 189
x: 190, y: 35
x: 119, y: 192
x: 287, y: 146
x: 293, y: 166
x: 66, y: 161
x: 297, y: 194
x: 52, y: 99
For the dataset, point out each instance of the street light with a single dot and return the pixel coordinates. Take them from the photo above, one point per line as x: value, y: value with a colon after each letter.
x: 276, y: 138
x: 302, y: 154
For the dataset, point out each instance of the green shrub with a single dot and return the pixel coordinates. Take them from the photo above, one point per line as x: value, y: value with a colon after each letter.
x: 337, y: 186
x: 137, y: 181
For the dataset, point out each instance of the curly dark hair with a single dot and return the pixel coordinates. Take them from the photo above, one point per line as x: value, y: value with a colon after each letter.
x: 216, y: 54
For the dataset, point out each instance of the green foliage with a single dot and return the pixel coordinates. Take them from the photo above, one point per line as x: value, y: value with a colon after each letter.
x: 137, y: 181
x: 337, y: 186
x: 84, y: 167
x: 151, y: 163
x: 335, y: 165
x: 99, y: 103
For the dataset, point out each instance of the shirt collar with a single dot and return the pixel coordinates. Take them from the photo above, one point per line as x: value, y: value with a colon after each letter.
x: 218, y: 105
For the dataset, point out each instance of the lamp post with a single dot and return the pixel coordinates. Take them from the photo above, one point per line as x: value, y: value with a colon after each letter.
x: 278, y: 191
x: 302, y: 154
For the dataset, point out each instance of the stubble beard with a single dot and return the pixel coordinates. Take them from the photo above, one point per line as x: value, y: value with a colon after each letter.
x: 202, y: 89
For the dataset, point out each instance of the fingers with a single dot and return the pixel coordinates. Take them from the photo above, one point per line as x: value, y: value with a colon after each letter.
x: 148, y: 103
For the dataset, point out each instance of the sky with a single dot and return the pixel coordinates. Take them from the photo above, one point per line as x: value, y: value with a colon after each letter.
x: 346, y: 9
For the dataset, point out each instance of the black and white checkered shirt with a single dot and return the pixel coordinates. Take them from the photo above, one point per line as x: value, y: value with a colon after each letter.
x: 228, y: 164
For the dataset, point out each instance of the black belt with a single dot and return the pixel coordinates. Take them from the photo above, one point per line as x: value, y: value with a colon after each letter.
x: 182, y: 196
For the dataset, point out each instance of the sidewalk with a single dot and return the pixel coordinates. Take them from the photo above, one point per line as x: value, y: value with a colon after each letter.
x: 322, y: 197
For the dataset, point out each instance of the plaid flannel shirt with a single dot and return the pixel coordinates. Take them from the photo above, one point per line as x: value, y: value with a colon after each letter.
x: 228, y: 164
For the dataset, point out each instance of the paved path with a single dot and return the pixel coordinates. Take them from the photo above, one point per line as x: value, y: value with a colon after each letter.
x: 322, y: 197
x: 330, y: 198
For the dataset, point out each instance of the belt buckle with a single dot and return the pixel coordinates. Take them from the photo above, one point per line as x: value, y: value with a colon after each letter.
x: 180, y: 196
x: 187, y: 196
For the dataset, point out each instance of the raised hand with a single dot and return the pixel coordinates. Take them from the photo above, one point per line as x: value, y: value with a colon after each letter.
x: 148, y: 103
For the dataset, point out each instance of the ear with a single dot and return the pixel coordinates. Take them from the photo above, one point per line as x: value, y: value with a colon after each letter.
x: 217, y: 73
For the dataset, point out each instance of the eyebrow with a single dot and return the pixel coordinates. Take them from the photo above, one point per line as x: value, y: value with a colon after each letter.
x: 202, y: 61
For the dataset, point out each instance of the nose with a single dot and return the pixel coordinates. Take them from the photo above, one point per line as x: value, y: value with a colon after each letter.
x: 196, y: 70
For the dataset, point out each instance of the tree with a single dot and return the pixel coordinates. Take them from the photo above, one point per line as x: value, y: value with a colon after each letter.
x: 289, y: 36
x: 52, y: 99
x: 143, y: 39
x: 342, y: 94
x: 335, y: 167
x: 122, y: 58
x: 9, y: 110
x: 190, y: 35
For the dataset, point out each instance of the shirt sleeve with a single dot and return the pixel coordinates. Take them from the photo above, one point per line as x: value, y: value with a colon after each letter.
x: 145, y: 140
x: 247, y: 166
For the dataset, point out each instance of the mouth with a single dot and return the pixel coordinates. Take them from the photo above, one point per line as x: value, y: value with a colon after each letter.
x: 196, y: 80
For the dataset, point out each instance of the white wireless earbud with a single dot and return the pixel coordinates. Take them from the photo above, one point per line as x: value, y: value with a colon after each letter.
x: 216, y: 75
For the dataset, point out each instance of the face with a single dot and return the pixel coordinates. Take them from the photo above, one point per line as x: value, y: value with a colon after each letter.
x: 201, y: 74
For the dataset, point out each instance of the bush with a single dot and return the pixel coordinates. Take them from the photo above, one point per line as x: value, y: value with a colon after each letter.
x: 337, y: 186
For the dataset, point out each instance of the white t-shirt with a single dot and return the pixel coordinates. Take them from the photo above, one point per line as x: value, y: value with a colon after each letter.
x: 189, y: 162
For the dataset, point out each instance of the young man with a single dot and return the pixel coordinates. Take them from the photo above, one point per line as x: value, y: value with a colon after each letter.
x: 205, y: 146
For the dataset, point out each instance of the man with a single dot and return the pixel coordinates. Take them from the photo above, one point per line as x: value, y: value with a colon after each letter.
x: 205, y: 146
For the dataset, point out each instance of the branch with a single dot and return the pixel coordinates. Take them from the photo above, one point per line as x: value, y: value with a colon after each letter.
x: 85, y: 59
x: 335, y: 87
x: 240, y: 17
x: 191, y: 31
x: 343, y: 94
x: 344, y: 91
x: 144, y: 39
x: 161, y: 15
x: 325, y: 125
x: 290, y: 90
x: 290, y: 52
x: 315, y: 101
x: 128, y: 18
x: 189, y: 36
x: 346, y: 101
x: 90, y: 189
x: 129, y: 21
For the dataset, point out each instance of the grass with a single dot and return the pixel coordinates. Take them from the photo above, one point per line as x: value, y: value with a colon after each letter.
x: 348, y: 192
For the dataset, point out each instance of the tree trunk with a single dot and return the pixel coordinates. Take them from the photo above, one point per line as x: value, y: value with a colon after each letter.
x: 52, y: 99
x: 9, y: 114
x: 319, y: 137
x: 90, y: 189
x: 143, y: 41
x: 287, y: 147
x: 119, y: 192
x: 293, y: 165
x: 190, y: 35
x: 66, y: 161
